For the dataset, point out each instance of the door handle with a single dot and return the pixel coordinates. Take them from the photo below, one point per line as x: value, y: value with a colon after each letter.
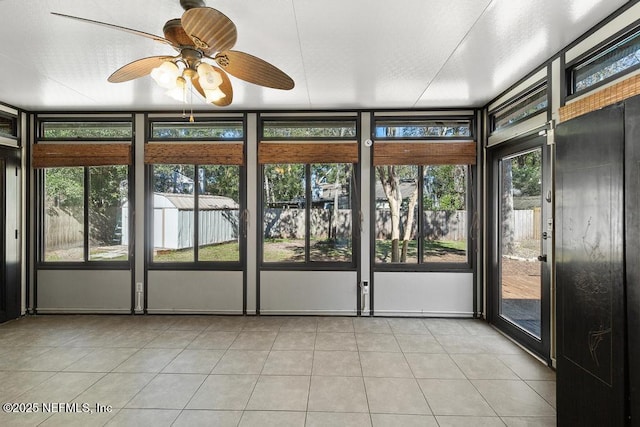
x: 542, y: 258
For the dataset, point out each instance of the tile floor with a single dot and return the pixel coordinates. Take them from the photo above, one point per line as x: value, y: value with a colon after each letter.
x: 269, y: 371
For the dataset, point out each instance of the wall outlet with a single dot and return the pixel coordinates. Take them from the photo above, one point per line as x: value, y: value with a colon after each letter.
x: 139, y: 287
x: 365, y: 287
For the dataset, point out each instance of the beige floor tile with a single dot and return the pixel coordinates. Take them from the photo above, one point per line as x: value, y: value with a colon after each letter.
x: 216, y: 340
x: 290, y: 362
x: 280, y: 393
x: 79, y: 419
x: 224, y: 392
x: 426, y: 365
x: 331, y: 419
x: 167, y: 391
x: 299, y: 324
x: 513, y: 398
x: 399, y: 420
x: 191, y: 323
x: 371, y: 325
x: 272, y: 419
x: 419, y: 344
x: 226, y: 324
x: 395, y: 396
x: 295, y: 341
x: 144, y: 417
x: 16, y: 383
x: 530, y: 421
x: 340, y: 363
x: 385, y: 365
x: 335, y: 324
x: 454, y: 397
x: 115, y: 389
x: 57, y: 359
x: 61, y: 387
x: 102, y: 360
x: 528, y: 367
x: 193, y: 418
x: 483, y: 366
x: 172, y: 339
x: 241, y: 362
x: 336, y: 341
x: 148, y: 360
x: 408, y: 326
x: 377, y: 342
x: 254, y: 341
x: 194, y: 362
x: 337, y: 394
x: 460, y: 421
x: 546, y: 389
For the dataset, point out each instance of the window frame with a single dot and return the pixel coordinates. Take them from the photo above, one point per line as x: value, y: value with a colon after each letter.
x: 308, y: 264
x: 196, y: 264
x: 593, y: 54
x: 86, y: 262
x: 41, y: 122
x: 421, y: 265
x: 471, y: 169
x: 534, y: 88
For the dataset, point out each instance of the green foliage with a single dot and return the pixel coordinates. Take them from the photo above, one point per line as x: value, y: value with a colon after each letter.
x: 64, y: 189
x: 108, y: 186
x: 526, y: 173
x: 222, y: 180
x: 310, y: 129
x: 87, y: 130
x: 444, y: 187
x: 284, y: 183
x: 196, y: 130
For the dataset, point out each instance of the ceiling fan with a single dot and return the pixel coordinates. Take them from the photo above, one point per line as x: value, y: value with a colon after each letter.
x: 201, y: 33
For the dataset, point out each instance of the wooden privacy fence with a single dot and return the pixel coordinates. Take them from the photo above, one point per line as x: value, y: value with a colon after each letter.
x: 62, y: 230
x: 525, y: 223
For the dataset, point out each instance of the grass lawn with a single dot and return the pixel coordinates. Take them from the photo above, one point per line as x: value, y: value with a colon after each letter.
x: 222, y: 252
x: 434, y: 250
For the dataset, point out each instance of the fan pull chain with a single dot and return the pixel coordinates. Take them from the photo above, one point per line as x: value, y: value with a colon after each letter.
x: 191, y: 119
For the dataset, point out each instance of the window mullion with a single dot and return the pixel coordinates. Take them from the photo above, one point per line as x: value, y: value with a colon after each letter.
x: 307, y: 214
x: 420, y: 214
x: 196, y: 213
x: 87, y: 189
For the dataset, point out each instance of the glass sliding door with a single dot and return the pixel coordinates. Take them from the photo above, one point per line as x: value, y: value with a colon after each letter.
x: 519, y: 279
x: 520, y: 239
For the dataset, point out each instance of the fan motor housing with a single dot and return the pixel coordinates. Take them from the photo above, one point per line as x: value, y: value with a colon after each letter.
x: 190, y: 4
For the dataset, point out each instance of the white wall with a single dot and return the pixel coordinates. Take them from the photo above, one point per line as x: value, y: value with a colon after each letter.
x: 308, y: 292
x: 84, y: 291
x: 423, y: 294
x: 218, y: 292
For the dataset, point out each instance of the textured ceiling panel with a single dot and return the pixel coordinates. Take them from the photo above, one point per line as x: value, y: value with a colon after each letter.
x: 341, y: 54
x: 508, y: 42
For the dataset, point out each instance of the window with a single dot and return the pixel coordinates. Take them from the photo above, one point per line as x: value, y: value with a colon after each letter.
x: 308, y: 191
x: 196, y: 213
x: 201, y: 130
x: 422, y: 129
x: 617, y: 58
x: 307, y: 213
x: 8, y: 126
x: 84, y: 213
x: 429, y: 198
x: 319, y: 129
x: 531, y: 103
x: 85, y: 130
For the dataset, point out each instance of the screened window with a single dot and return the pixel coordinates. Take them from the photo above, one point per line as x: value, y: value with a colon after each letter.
x: 200, y: 130
x: 85, y: 214
x: 423, y: 129
x: 616, y: 59
x: 8, y: 126
x: 533, y: 102
x: 307, y: 213
x: 421, y: 214
x: 87, y: 130
x: 309, y: 129
x: 196, y: 213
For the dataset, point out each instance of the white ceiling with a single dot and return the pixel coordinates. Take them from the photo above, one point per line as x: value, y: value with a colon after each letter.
x: 342, y: 54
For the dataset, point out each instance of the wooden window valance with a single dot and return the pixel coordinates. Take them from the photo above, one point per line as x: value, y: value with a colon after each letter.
x: 308, y: 152
x: 200, y: 154
x: 66, y: 155
x: 424, y: 153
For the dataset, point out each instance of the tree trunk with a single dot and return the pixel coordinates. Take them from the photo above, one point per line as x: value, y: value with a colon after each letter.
x: 413, y: 200
x: 391, y: 186
x: 507, y: 208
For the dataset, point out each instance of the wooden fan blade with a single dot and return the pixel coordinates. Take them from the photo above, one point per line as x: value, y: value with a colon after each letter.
x: 138, y: 68
x: 210, y: 29
x: 225, y: 87
x: 117, y: 27
x: 253, y: 70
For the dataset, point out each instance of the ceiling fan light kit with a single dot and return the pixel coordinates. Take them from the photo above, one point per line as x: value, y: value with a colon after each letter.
x: 202, y: 33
